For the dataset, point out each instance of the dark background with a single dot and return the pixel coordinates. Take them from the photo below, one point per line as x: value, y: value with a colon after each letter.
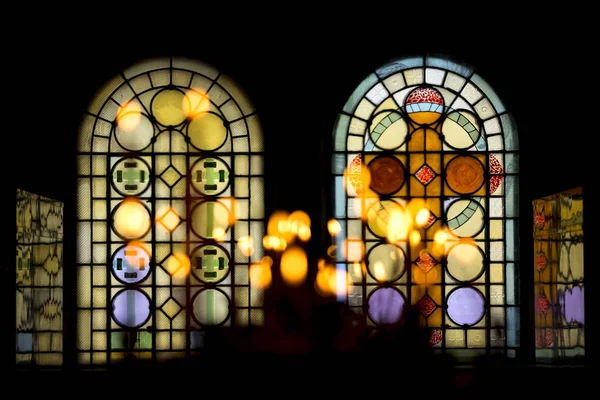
x: 298, y: 65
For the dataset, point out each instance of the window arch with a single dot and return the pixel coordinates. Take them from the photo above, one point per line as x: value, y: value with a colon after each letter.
x: 169, y: 186
x: 425, y: 187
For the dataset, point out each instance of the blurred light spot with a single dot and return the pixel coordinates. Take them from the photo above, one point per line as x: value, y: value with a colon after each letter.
x: 131, y: 219
x: 341, y: 283
x: 440, y: 236
x: 398, y: 226
x: 168, y: 218
x: 260, y: 275
x: 422, y: 217
x: 246, y: 245
x: 196, y: 102
x: 321, y: 263
x: 358, y: 269
x: 379, y: 271
x: 414, y: 238
x: 334, y: 227
x: 304, y: 233
x: 299, y: 218
x: 129, y: 116
x: 326, y: 281
x: 233, y: 207
x: 277, y: 221
x: 268, y: 261
x: 274, y: 243
x: 294, y: 265
x: 178, y: 265
x: 219, y: 234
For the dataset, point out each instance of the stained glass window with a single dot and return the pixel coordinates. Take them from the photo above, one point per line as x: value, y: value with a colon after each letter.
x: 39, y: 274
x: 170, y: 179
x: 425, y: 187
x: 559, y: 277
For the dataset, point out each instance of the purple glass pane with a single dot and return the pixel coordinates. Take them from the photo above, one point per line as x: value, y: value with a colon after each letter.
x: 386, y: 306
x: 466, y: 306
x: 131, y: 264
x: 131, y: 308
x: 572, y: 305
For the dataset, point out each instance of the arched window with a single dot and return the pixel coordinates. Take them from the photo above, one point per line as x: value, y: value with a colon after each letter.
x: 170, y: 186
x: 425, y: 165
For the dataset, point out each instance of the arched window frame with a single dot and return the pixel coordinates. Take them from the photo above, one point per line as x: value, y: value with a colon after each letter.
x: 176, y: 297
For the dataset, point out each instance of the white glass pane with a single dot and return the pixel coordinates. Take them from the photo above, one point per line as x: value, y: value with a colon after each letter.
x: 359, y: 93
x: 414, y: 76
x: 495, y: 143
x: 394, y: 83
x: 471, y: 93
x: 377, y: 94
x: 257, y: 165
x: 257, y: 195
x: 355, y: 143
x: 492, y: 126
x: 434, y: 76
x: 241, y: 165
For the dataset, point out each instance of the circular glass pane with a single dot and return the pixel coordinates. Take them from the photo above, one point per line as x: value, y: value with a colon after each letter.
x: 210, y: 176
x: 131, y: 308
x: 386, y: 262
x: 210, y: 263
x: 465, y: 218
x: 131, y: 220
x: 130, y: 176
x: 211, y: 307
x: 465, y: 262
x: 466, y: 306
x: 207, y: 131
x: 424, y: 105
x: 168, y: 107
x: 464, y: 174
x: 131, y: 264
x: 387, y: 174
x: 383, y: 216
x: 386, y: 306
x: 135, y: 136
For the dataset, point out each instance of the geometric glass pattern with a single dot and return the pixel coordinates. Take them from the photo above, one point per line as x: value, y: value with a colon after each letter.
x: 559, y: 278
x: 169, y: 179
x: 39, y: 281
x: 443, y: 188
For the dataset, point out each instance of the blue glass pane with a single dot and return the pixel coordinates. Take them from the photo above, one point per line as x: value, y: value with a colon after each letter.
x: 572, y: 305
x: 511, y: 140
x: 511, y: 163
x: 399, y: 65
x: 461, y: 69
x: 359, y: 93
x: 512, y: 333
x: 511, y: 245
x: 489, y: 92
x: 338, y: 164
x: 511, y: 188
x: 340, y: 197
x: 510, y: 284
x: 339, y: 241
x: 24, y: 342
x: 131, y: 308
x: 340, y: 131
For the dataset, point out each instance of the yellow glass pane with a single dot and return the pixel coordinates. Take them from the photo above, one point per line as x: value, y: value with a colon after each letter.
x: 476, y: 338
x: 168, y: 107
x: 84, y: 295
x: 455, y: 338
x: 496, y: 229
x: 84, y: 331
x: 207, y: 131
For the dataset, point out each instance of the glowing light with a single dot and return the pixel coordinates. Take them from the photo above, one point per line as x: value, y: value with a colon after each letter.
x: 195, y: 102
x: 304, y: 233
x: 129, y: 116
x: 131, y: 219
x: 358, y: 269
x: 299, y: 219
x: 398, y: 226
x: 294, y: 266
x: 440, y: 236
x: 246, y: 245
x: 331, y: 250
x: 326, y: 281
x: 422, y: 217
x: 274, y: 243
x: 179, y: 265
x: 353, y: 249
x: 219, y: 234
x: 341, y: 283
x: 379, y: 271
x: 334, y: 227
x: 260, y: 274
x: 268, y: 261
x: 277, y: 222
x: 414, y: 237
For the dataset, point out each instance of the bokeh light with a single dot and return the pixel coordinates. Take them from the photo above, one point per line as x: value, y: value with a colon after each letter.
x: 179, y: 265
x: 246, y: 245
x: 294, y: 265
x: 129, y: 116
x: 131, y: 219
x: 334, y: 227
x: 260, y: 274
x: 195, y: 102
